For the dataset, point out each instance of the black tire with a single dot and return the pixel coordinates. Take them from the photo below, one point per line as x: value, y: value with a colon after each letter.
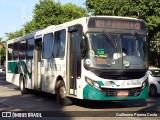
x: 153, y: 90
x: 23, y: 89
x: 61, y: 94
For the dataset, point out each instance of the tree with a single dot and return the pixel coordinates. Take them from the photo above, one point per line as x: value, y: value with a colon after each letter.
x: 70, y: 12
x: 103, y: 7
x: 14, y: 34
x: 46, y: 13
x: 2, y: 51
x: 154, y: 53
x: 49, y: 12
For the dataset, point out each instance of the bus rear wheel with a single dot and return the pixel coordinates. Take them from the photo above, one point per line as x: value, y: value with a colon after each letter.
x: 23, y: 89
x: 62, y: 95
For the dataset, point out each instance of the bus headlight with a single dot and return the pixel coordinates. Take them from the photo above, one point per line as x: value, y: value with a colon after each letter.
x: 92, y: 83
x: 145, y: 83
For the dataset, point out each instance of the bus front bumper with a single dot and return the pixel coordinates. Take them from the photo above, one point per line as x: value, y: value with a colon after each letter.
x: 91, y: 93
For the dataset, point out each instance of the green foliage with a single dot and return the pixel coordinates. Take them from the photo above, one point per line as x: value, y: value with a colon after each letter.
x: 71, y: 12
x: 46, y: 13
x: 14, y: 34
x: 2, y: 52
x: 103, y: 7
x: 154, y: 54
x: 30, y: 27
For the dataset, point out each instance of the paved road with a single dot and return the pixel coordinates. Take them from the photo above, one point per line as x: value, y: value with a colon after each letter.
x: 12, y: 100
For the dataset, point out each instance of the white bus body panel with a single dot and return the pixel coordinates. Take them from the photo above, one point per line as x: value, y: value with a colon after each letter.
x: 13, y: 78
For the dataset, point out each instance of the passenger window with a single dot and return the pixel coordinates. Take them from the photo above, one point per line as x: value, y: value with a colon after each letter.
x: 47, y: 46
x: 22, y: 50
x: 15, y: 51
x: 30, y: 48
x: 59, y: 43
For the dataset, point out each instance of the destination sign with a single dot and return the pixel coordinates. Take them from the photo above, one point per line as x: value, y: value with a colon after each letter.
x: 116, y: 23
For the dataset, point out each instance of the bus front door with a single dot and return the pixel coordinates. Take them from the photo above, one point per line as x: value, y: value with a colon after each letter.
x: 73, y: 58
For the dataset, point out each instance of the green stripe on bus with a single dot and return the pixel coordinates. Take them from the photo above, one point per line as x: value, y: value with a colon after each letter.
x: 100, y: 83
x: 12, y: 67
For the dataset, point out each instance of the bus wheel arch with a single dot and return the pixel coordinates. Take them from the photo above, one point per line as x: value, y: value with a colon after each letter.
x: 61, y: 92
x: 22, y: 84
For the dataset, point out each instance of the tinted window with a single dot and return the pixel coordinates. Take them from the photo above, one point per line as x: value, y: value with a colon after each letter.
x: 10, y: 50
x: 22, y: 50
x: 47, y: 45
x: 59, y: 43
x: 15, y: 51
x: 30, y: 47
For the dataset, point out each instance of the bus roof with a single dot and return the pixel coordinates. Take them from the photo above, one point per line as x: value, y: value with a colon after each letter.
x: 116, y: 17
x: 84, y: 20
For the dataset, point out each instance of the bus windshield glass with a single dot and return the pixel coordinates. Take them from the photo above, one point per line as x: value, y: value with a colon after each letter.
x: 116, y: 51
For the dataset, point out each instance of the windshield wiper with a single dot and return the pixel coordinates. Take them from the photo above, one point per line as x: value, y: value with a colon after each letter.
x: 110, y: 40
x: 138, y: 37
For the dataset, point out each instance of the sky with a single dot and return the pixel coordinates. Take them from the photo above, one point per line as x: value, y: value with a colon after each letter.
x: 12, y: 13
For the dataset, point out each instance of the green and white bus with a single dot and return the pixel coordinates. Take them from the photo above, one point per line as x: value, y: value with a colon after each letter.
x: 95, y: 58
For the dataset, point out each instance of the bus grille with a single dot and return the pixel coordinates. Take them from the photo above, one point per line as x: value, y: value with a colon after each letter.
x: 109, y: 92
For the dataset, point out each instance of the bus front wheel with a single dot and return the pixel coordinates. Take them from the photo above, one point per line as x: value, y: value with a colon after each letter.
x: 62, y: 95
x: 153, y: 90
x: 22, y: 85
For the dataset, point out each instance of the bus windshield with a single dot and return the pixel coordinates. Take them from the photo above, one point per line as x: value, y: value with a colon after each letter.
x: 116, y: 51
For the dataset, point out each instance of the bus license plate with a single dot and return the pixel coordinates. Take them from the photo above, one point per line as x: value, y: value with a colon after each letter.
x: 122, y: 93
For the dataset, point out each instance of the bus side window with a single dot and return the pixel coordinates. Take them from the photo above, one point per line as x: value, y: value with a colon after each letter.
x: 59, y: 43
x: 47, y: 46
x: 10, y: 51
x: 30, y: 47
x: 22, y: 50
x: 15, y: 50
